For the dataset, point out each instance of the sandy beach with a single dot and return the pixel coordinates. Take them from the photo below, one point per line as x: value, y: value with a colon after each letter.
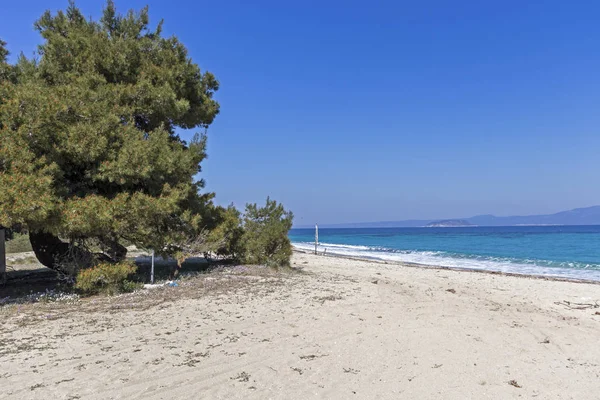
x: 335, y: 329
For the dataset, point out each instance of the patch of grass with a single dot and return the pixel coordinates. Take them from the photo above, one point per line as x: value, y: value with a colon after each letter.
x: 18, y: 244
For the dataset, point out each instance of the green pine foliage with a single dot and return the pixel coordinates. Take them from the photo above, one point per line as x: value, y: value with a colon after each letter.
x: 107, y: 279
x: 228, y: 233
x: 4, y: 67
x: 88, y: 147
x: 265, y: 236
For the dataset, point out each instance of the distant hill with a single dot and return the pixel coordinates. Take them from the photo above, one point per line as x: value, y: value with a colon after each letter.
x: 448, y: 223
x: 577, y: 216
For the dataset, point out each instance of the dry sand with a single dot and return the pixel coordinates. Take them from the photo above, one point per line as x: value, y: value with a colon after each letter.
x: 341, y: 329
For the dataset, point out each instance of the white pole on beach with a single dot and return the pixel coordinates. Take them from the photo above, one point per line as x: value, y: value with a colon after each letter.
x: 152, y: 269
x: 316, y: 237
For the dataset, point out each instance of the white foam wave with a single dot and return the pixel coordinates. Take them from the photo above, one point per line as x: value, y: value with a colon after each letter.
x: 525, y: 267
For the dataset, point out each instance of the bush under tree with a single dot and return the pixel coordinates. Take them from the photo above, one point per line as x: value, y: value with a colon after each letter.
x: 106, y: 278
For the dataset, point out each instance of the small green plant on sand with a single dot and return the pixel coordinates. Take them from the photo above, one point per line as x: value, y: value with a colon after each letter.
x: 106, y: 278
x: 266, y: 234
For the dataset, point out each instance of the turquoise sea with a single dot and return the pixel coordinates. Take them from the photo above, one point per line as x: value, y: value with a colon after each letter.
x: 562, y: 251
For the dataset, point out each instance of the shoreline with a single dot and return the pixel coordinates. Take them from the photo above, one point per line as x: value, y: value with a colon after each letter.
x: 442, y: 267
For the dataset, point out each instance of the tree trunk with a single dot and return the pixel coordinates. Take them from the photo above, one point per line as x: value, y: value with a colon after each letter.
x: 68, y: 258
x: 49, y: 249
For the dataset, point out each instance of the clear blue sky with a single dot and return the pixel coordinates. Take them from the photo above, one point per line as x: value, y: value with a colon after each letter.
x: 354, y: 111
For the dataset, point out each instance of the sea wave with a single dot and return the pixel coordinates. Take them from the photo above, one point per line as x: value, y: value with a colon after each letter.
x: 562, y: 269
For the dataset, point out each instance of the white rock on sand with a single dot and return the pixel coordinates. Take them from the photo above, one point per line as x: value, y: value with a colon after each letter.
x: 343, y: 329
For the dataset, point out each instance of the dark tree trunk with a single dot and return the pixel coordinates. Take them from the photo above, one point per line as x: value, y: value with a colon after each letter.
x: 49, y: 249
x: 56, y: 254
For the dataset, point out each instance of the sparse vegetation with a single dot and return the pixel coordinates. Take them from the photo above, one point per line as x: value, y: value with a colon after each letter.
x: 19, y: 243
x: 242, y: 377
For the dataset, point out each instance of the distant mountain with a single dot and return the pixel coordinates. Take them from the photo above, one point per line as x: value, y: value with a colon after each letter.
x: 448, y: 223
x: 577, y: 216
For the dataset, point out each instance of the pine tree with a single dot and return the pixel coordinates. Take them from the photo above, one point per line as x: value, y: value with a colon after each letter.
x: 88, y: 143
x: 265, y: 237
